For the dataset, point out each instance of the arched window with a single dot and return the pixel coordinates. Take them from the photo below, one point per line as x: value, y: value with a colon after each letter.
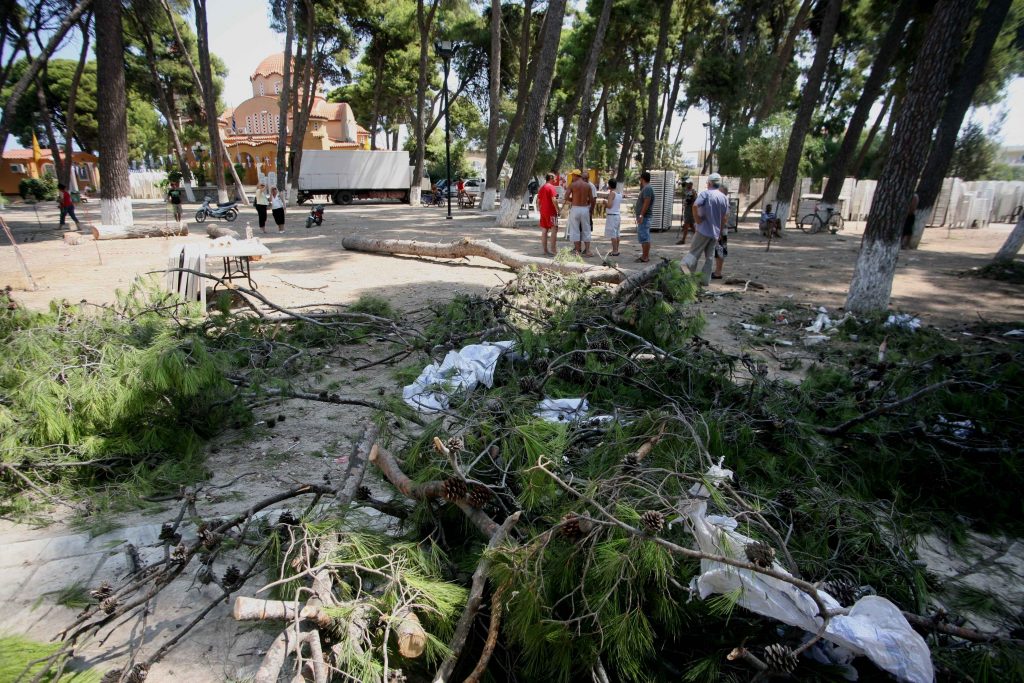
x: 277, y: 87
x: 248, y: 123
x: 277, y: 123
x: 261, y: 87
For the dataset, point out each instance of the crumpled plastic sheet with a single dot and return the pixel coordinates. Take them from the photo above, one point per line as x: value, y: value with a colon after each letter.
x: 459, y: 371
x: 562, y: 409
x: 904, y: 321
x: 874, y: 626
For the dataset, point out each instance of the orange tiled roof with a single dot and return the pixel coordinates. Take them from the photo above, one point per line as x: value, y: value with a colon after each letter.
x: 272, y: 64
x: 332, y: 111
x: 26, y: 154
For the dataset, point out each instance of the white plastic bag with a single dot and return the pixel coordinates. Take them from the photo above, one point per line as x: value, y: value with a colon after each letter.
x: 459, y: 371
x: 562, y: 409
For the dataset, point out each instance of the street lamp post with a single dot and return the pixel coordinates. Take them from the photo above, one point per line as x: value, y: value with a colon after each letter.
x: 446, y: 48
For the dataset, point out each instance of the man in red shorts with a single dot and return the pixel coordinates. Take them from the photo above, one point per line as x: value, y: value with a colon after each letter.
x: 547, y: 202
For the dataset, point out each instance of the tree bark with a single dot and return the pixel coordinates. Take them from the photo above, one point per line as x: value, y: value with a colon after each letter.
x: 1011, y: 247
x: 18, y: 91
x: 424, y: 22
x: 957, y: 103
x: 808, y: 100
x: 871, y: 285
x: 51, y: 137
x: 76, y: 79
x: 651, y: 121
x: 209, y: 101
x: 586, y: 91
x: 493, y: 111
x: 482, y: 248
x: 855, y: 171
x: 115, y: 188
x: 534, y: 118
x: 886, y: 53
x: 282, y: 103
x: 782, y: 59
x: 309, y: 79
x: 523, y: 86
x: 114, y: 231
x: 627, y: 139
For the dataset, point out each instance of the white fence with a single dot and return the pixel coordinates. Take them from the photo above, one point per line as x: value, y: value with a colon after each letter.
x: 144, y: 184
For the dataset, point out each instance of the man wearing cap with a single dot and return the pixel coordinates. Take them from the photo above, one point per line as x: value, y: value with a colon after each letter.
x: 710, y: 209
x: 581, y: 199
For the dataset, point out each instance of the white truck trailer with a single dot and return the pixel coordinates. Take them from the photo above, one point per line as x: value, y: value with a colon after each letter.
x: 349, y: 174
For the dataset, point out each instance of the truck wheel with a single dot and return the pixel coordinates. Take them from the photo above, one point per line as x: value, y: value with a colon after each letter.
x: 344, y: 198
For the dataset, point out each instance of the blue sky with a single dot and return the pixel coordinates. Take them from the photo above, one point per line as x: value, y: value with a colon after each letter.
x: 240, y: 35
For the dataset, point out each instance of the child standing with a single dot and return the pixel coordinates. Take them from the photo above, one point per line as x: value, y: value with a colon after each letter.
x: 613, y: 219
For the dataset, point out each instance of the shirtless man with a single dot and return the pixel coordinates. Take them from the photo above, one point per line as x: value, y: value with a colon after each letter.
x: 582, y: 200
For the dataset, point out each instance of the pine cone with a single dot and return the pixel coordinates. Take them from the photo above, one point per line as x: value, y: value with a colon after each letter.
x: 479, y: 496
x: 787, y: 499
x: 571, y: 526
x: 843, y: 590
x: 138, y: 674
x: 180, y: 553
x: 396, y: 676
x: 232, y: 577
x: 363, y: 493
x: 630, y: 463
x: 760, y: 554
x: 653, y: 521
x: 208, y: 537
x: 528, y: 384
x: 205, y: 575
x: 102, y: 591
x: 287, y: 519
x: 169, y: 535
x: 455, y: 445
x: 780, y: 659
x: 109, y: 605
x: 454, y: 489
x: 112, y: 676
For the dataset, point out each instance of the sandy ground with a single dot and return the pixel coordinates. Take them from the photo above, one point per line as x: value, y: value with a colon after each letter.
x: 801, y: 272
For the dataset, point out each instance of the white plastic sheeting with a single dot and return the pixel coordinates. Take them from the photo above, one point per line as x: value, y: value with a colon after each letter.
x: 874, y: 627
x: 562, y: 409
x: 459, y: 371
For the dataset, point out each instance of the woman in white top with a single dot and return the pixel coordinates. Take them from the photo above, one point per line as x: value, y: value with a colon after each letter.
x: 277, y: 207
x: 612, y: 220
x: 261, y: 205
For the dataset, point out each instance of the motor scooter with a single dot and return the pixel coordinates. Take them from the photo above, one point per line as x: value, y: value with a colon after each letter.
x: 316, y: 216
x: 226, y: 211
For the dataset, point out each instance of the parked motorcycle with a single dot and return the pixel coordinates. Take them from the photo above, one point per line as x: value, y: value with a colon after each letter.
x: 226, y: 211
x: 316, y: 216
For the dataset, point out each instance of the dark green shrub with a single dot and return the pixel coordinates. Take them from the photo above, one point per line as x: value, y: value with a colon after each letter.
x: 39, y: 188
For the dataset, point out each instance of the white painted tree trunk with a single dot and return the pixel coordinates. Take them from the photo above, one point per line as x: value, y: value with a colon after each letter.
x: 1011, y: 247
x: 782, y: 211
x: 189, y: 194
x: 116, y: 211
x: 920, y: 220
x: 222, y: 195
x: 507, y: 212
x: 487, y: 203
x: 871, y: 286
x: 415, y: 194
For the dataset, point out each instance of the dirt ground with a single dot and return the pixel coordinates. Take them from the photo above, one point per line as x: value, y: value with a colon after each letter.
x: 800, y: 273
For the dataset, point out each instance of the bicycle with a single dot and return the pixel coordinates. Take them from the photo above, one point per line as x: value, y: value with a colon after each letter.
x: 812, y: 223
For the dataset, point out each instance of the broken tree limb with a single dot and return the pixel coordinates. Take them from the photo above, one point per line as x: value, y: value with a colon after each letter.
x: 497, y: 607
x: 126, y: 232
x: 427, y: 490
x: 476, y: 594
x: 482, y: 248
x: 409, y: 633
x: 255, y: 609
x: 635, y: 281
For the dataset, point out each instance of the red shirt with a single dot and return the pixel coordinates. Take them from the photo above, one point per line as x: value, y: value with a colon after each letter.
x: 460, y: 186
x: 65, y: 198
x: 545, y: 200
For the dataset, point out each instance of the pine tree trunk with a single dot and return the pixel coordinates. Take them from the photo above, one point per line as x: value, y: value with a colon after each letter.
x: 808, y: 100
x: 886, y: 53
x: 855, y: 171
x: 76, y: 79
x: 309, y: 79
x: 493, y: 110
x: 424, y: 21
x: 1011, y: 247
x: 523, y: 86
x: 627, y: 139
x: 51, y: 138
x: 534, y: 118
x: 282, y: 103
x: 782, y: 60
x: 957, y: 103
x: 652, y: 118
x: 589, y: 74
x: 115, y: 188
x: 209, y: 100
x: 871, y: 285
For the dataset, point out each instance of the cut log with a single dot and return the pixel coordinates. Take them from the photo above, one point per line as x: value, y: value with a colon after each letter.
x: 255, y: 609
x: 73, y: 238
x: 409, y: 633
x: 216, y: 231
x: 126, y: 232
x: 484, y: 249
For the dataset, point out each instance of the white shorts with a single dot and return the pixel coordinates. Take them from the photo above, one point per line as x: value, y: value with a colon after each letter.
x: 612, y: 223
x: 579, y: 224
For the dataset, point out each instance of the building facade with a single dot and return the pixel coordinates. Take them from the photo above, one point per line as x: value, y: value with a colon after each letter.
x: 250, y: 130
x: 18, y: 164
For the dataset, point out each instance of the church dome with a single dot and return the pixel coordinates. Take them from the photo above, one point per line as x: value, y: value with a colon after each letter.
x: 272, y: 64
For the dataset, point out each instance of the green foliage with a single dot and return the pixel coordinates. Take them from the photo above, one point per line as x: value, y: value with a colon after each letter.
x: 17, y: 652
x: 974, y: 154
x: 372, y: 304
x: 39, y: 188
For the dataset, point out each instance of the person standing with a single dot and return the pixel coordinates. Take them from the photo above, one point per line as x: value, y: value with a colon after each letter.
x: 277, y: 208
x: 533, y: 188
x: 613, y: 218
x: 710, y: 209
x: 593, y: 208
x: 547, y: 202
x: 174, y: 197
x: 689, y: 196
x: 260, y: 203
x: 722, y: 248
x: 642, y: 211
x: 579, y: 197
x: 67, y: 206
